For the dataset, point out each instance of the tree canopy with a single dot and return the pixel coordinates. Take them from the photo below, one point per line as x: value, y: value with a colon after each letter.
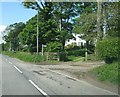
x: 58, y: 20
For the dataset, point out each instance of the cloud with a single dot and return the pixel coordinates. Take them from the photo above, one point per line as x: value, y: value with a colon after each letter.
x: 2, y: 28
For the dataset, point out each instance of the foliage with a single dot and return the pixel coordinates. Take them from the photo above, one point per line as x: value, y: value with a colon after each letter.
x: 63, y: 56
x: 108, y: 73
x: 108, y: 50
x: 71, y: 46
x: 27, y: 56
x: 57, y: 22
x: 28, y: 35
x: 56, y: 19
x: 78, y: 52
x: 53, y: 47
x: 85, y: 25
x: 12, y: 34
x: 64, y: 12
x: 111, y: 18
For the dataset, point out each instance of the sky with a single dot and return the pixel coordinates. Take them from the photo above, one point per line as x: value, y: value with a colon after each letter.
x: 13, y: 12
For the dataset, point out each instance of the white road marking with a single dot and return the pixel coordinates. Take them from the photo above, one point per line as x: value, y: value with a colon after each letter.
x: 40, y: 90
x: 10, y: 62
x: 18, y: 69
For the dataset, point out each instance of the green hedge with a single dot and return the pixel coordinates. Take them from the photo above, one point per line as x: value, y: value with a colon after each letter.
x: 108, y: 50
x: 63, y: 56
x: 53, y: 47
x: 79, y: 52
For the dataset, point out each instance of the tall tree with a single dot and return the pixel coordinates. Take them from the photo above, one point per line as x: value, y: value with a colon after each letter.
x: 64, y: 13
x: 28, y: 36
x: 12, y: 35
x: 52, y: 12
x: 86, y: 23
x: 111, y: 18
x: 47, y: 23
x: 46, y: 33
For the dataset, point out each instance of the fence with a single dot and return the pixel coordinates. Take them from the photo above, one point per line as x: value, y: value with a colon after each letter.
x: 52, y: 56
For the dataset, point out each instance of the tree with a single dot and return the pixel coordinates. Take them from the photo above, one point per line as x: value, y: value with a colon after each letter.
x: 64, y: 13
x: 107, y: 19
x: 28, y: 35
x: 61, y: 13
x: 11, y: 35
x: 97, y: 19
x: 46, y: 34
x: 85, y: 25
x: 47, y: 23
x: 111, y: 18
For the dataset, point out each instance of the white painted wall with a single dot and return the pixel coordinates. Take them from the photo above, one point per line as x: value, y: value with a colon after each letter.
x: 77, y: 40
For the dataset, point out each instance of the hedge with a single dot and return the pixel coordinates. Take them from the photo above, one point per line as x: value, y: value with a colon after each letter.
x: 108, y: 50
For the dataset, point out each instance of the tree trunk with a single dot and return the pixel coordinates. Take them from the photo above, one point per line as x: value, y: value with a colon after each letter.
x: 63, y: 44
x: 99, y: 20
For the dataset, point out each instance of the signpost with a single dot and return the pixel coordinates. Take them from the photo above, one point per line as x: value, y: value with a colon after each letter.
x: 43, y: 48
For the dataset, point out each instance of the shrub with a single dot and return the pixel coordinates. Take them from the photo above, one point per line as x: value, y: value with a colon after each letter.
x: 63, y: 56
x: 53, y: 47
x: 79, y: 52
x: 71, y: 46
x: 108, y: 50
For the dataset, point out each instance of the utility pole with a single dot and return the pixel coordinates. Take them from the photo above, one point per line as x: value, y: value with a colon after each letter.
x: 99, y: 20
x: 37, y: 35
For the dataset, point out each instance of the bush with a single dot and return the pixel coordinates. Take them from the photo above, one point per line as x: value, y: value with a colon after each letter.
x: 63, y: 56
x: 53, y: 47
x: 71, y: 46
x: 108, y: 50
x: 79, y: 52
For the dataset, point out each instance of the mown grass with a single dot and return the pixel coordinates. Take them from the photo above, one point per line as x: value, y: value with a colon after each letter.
x: 75, y: 59
x: 107, y: 73
x: 24, y: 56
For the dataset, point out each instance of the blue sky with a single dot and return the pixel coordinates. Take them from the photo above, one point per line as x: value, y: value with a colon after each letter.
x: 13, y: 12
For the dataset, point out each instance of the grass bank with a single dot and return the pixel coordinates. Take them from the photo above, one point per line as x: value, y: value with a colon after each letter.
x: 106, y: 73
x: 25, y: 56
x: 75, y: 59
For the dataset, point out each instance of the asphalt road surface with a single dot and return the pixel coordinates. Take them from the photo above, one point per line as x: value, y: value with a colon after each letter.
x: 13, y: 82
x: 20, y: 78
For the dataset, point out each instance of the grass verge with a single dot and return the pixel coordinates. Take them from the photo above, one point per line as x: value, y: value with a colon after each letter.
x: 106, y: 73
x: 24, y: 56
x: 75, y: 59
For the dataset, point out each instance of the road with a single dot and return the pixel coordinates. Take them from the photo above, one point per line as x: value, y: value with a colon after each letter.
x: 14, y: 83
x: 20, y: 78
x: 0, y: 75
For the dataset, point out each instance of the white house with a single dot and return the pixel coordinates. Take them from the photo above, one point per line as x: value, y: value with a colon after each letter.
x: 77, y: 40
